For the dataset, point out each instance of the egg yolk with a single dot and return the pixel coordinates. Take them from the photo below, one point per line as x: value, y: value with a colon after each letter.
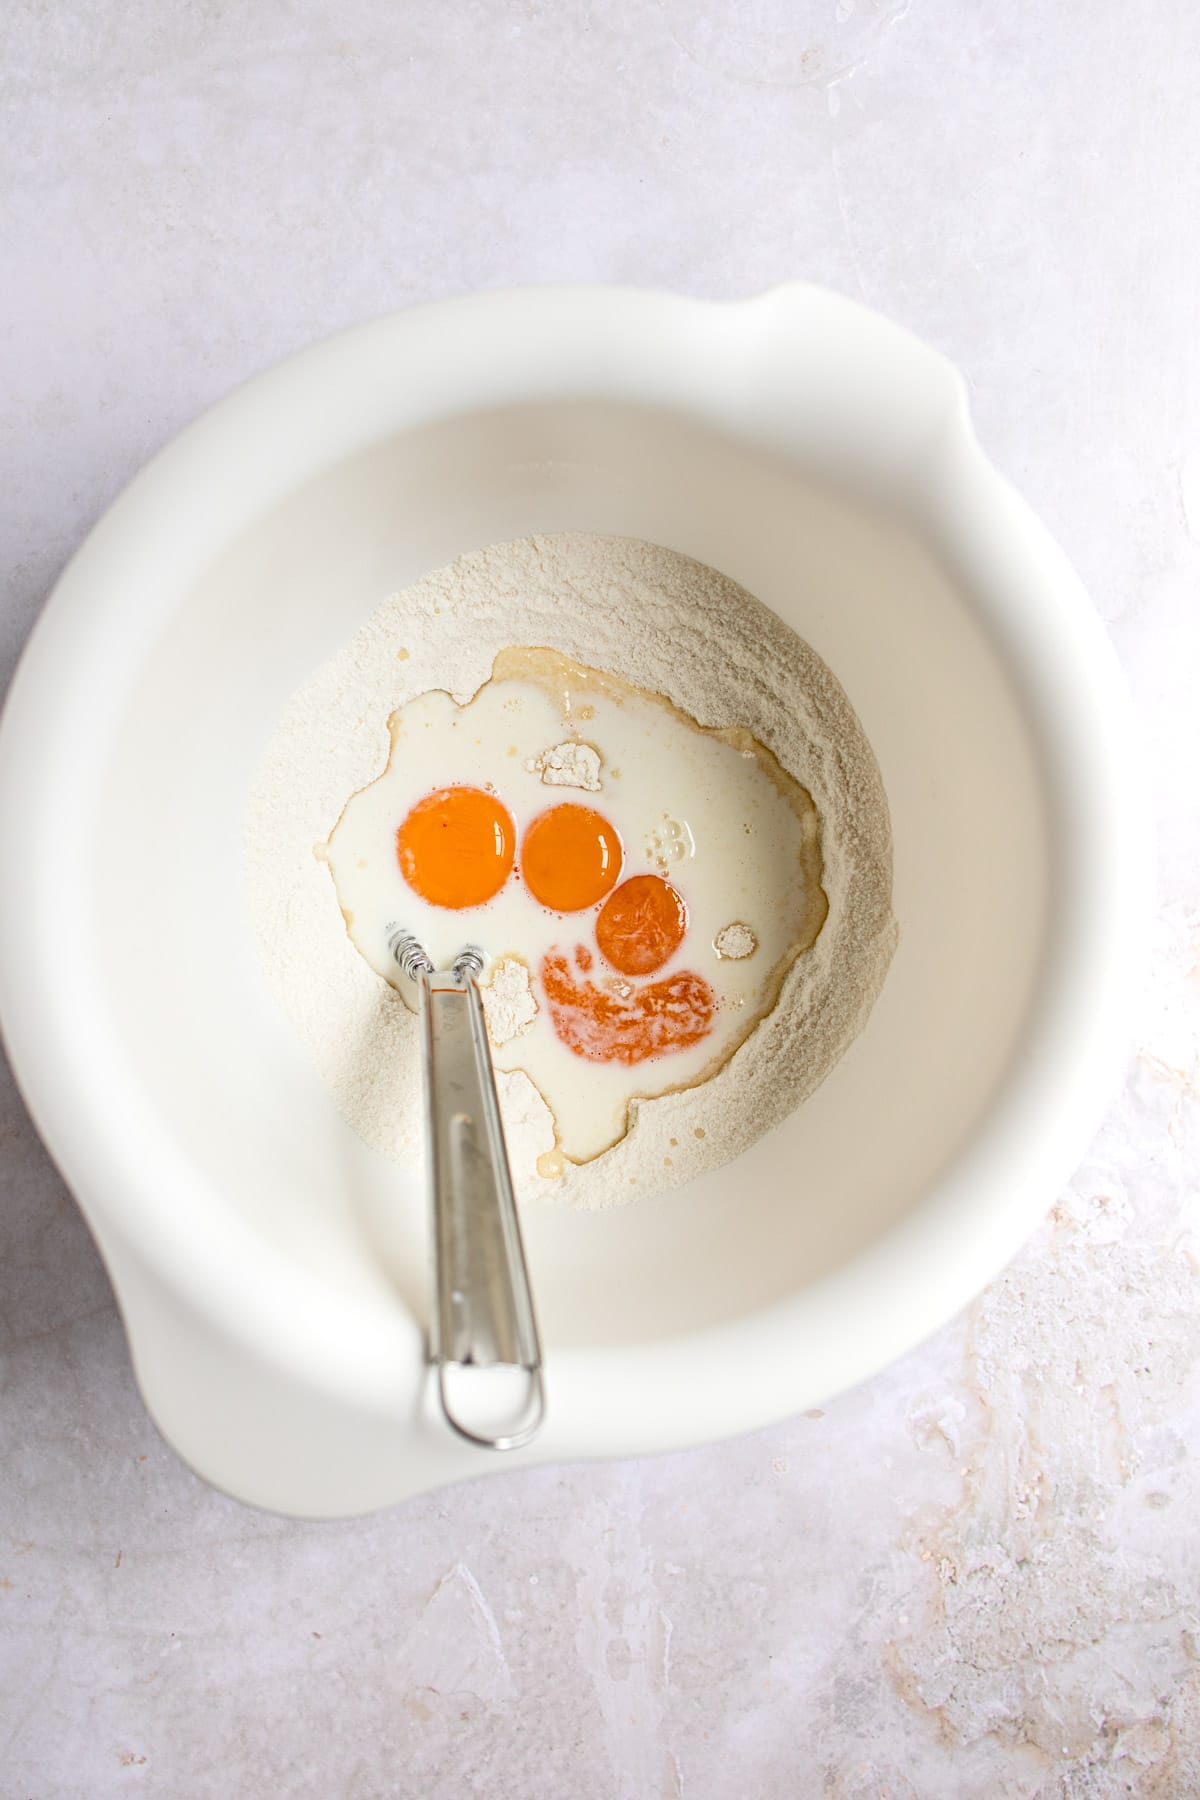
x: 601, y: 1026
x: 570, y: 858
x: 641, y: 925
x: 456, y: 847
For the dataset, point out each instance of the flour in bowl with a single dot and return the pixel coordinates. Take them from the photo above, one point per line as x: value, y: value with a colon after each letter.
x: 748, y: 689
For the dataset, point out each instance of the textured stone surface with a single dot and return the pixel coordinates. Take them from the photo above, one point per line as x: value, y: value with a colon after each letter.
x: 975, y: 1577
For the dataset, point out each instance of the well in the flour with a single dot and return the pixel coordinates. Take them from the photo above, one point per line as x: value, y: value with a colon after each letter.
x: 579, y: 905
x: 637, y: 617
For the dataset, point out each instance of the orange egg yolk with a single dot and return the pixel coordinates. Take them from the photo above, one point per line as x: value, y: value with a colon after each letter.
x: 570, y: 858
x: 456, y: 847
x: 641, y: 925
x: 602, y: 1026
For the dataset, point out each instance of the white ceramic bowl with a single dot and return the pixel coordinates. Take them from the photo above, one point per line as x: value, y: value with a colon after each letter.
x: 271, y: 1270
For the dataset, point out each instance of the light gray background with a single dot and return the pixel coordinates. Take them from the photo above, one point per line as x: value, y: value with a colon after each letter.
x: 977, y: 1577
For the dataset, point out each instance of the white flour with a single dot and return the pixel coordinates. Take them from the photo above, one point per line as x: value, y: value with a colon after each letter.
x: 508, y: 1001
x: 570, y: 765
x: 665, y: 623
x: 735, y: 941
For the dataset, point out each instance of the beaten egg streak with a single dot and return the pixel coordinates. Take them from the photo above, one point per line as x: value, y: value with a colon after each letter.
x: 599, y: 845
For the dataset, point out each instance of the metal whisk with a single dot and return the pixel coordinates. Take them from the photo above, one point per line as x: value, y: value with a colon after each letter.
x: 483, y: 1315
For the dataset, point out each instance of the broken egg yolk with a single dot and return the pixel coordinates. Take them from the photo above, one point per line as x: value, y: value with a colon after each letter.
x: 456, y: 847
x: 628, y: 1028
x: 570, y: 858
x: 641, y: 925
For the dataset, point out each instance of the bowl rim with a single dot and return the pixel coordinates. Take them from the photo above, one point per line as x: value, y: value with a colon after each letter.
x: 645, y: 347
